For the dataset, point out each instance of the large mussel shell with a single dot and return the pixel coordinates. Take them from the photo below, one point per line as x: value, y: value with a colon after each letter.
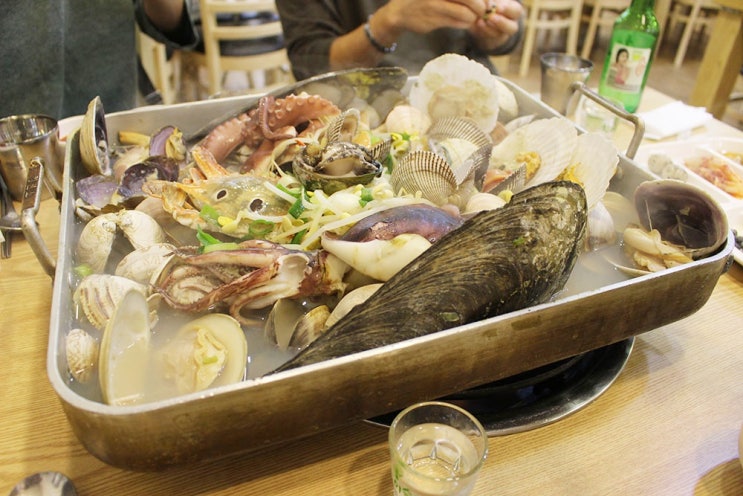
x: 474, y: 272
x: 683, y: 214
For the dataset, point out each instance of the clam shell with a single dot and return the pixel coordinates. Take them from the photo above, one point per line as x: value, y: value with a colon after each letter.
x: 406, y: 119
x: 144, y: 264
x: 444, y: 288
x: 350, y: 300
x: 453, y: 85
x: 94, y: 139
x: 81, y: 350
x: 426, y: 173
x: 683, y: 214
x: 98, y: 295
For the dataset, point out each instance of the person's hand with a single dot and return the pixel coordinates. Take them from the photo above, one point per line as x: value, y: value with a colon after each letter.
x: 423, y: 16
x: 499, y: 22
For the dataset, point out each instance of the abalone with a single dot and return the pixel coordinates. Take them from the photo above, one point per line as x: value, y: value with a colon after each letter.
x: 498, y: 261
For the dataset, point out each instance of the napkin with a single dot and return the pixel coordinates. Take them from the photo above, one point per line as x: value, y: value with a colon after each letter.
x: 673, y: 118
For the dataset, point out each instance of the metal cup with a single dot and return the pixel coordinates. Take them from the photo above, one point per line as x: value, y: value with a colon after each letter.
x: 559, y: 71
x: 23, y: 138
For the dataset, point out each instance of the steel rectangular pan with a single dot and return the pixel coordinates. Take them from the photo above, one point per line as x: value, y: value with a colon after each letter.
x: 257, y: 413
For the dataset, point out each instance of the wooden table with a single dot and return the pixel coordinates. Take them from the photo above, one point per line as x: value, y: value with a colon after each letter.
x: 669, y: 425
x: 722, y: 61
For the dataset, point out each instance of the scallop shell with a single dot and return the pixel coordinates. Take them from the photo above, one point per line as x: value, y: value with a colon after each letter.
x: 553, y: 140
x: 94, y: 139
x: 426, y: 173
x: 454, y: 85
x: 592, y: 165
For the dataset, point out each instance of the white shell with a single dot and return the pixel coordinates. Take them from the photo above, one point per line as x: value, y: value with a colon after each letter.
x: 353, y: 298
x: 81, y: 350
x: 144, y: 264
x: 553, y: 140
x: 592, y: 165
x: 507, y: 104
x: 379, y: 259
x: 407, y: 119
x: 483, y: 201
x: 125, y: 350
x: 216, y: 336
x: 99, y: 294
x: 98, y: 236
x: 453, y: 85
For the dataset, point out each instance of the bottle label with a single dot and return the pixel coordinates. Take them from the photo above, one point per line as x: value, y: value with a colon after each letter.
x: 627, y: 69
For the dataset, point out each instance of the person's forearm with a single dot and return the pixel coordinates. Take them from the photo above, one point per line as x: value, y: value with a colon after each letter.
x: 356, y: 50
x: 165, y: 15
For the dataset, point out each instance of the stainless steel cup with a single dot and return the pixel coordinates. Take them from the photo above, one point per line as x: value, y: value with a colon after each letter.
x: 22, y: 138
x: 559, y: 71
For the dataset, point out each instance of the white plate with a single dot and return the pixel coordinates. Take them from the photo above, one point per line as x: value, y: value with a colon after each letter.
x: 679, y: 151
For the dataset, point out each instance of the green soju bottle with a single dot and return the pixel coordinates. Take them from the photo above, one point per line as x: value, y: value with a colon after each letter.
x: 630, y: 53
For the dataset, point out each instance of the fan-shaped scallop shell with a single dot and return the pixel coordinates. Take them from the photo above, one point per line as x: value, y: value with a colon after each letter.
x: 592, y: 165
x: 427, y: 173
x: 454, y: 85
x: 553, y: 140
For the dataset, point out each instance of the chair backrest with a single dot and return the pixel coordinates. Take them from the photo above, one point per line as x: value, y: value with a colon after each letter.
x: 244, y: 35
x: 163, y: 71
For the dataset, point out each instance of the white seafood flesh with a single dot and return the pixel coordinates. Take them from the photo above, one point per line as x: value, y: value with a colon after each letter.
x: 207, y: 352
x: 452, y: 85
x: 379, y: 259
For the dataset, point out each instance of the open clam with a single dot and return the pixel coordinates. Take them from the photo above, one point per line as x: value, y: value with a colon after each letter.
x: 94, y: 139
x: 336, y: 162
x: 683, y: 214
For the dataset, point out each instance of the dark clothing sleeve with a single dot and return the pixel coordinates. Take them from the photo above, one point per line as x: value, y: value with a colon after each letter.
x: 311, y: 27
x: 57, y: 56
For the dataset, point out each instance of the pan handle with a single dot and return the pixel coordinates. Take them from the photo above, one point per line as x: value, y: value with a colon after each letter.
x: 30, y: 207
x: 637, y: 122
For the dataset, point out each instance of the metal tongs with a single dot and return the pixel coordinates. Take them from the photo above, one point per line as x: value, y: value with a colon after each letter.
x: 11, y: 222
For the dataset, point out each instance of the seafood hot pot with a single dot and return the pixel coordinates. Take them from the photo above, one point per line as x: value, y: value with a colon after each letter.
x: 259, y: 412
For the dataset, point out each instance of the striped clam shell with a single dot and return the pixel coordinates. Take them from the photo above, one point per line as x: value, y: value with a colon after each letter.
x: 426, y: 173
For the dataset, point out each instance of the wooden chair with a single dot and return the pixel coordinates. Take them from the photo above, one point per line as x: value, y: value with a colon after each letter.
x: 549, y: 14
x: 246, y: 36
x: 164, y: 72
x: 694, y: 14
x: 599, y: 13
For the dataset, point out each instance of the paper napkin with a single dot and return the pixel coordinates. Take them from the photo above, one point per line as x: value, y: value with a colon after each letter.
x: 673, y: 118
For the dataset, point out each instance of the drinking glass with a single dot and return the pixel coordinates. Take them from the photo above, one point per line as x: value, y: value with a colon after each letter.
x: 437, y: 449
x: 559, y: 71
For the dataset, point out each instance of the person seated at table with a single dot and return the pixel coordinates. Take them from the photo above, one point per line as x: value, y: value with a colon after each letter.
x: 57, y: 56
x: 336, y: 35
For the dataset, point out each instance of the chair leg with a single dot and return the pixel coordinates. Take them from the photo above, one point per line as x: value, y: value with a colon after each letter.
x: 526, y: 49
x: 688, y: 30
x: 590, y: 34
x: 574, y: 27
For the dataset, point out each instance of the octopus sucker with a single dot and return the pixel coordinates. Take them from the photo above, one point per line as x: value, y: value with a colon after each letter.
x: 517, y: 256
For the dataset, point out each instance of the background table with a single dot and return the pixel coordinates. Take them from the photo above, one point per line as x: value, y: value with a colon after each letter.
x: 668, y: 426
